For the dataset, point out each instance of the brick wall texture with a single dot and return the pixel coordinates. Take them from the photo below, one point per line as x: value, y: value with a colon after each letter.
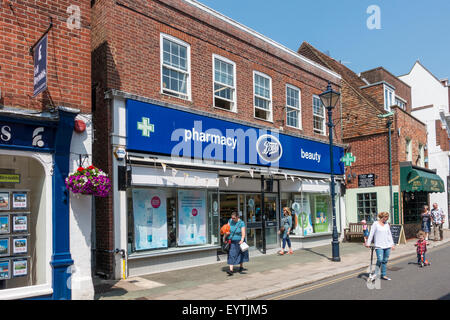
x: 22, y: 23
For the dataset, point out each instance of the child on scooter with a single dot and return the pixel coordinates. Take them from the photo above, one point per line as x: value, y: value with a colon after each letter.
x: 421, y: 245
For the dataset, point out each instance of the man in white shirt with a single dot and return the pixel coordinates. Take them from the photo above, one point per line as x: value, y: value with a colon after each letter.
x: 438, y: 219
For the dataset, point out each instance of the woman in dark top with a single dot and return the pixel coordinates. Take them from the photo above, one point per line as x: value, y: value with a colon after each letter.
x: 237, y: 236
x: 426, y: 221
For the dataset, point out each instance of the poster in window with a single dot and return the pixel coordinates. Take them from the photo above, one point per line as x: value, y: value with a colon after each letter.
x: 150, y: 219
x: 4, y: 224
x: 4, y: 200
x: 4, y: 247
x: 19, y: 200
x: 20, y: 268
x: 321, y: 214
x: 192, y: 217
x: 20, y: 223
x: 302, y: 211
x: 20, y: 245
x: 5, y: 272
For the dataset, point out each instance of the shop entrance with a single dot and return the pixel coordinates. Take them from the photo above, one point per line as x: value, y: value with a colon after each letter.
x: 249, y: 208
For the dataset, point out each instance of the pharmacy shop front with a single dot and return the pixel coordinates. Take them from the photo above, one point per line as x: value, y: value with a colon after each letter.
x: 181, y: 173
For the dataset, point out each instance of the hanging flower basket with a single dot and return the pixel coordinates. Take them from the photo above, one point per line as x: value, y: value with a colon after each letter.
x: 90, y: 180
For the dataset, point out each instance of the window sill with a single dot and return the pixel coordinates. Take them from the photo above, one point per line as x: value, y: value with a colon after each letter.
x: 314, y: 235
x: 232, y: 111
x: 298, y: 128
x: 188, y: 99
x: 26, y: 292
x: 171, y: 251
x: 271, y: 121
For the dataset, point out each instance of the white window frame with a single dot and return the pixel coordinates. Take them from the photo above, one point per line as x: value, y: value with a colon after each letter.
x: 408, y: 149
x: 387, y: 103
x: 254, y: 96
x: 324, y: 132
x: 403, y: 102
x: 299, y: 109
x: 234, y: 101
x: 176, y: 94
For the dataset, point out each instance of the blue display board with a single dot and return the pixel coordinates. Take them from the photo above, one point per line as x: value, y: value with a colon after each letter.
x: 156, y: 129
x: 16, y: 134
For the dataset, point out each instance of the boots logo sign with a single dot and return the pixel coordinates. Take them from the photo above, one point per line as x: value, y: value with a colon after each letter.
x: 269, y: 148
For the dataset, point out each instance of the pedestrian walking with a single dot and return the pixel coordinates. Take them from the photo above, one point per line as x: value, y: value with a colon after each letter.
x: 437, y: 219
x: 237, y: 235
x: 426, y: 221
x: 421, y: 245
x: 365, y: 230
x: 380, y: 233
x: 286, y: 223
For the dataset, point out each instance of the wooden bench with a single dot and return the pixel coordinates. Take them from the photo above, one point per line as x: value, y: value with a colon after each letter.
x: 354, y: 230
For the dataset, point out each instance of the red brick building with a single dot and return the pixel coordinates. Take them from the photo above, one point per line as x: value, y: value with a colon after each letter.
x: 169, y: 60
x: 366, y: 100
x: 39, y: 148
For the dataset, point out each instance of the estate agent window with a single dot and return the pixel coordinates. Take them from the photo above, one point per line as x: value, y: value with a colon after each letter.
x: 293, y: 113
x: 224, y: 83
x: 367, y: 206
x: 163, y: 218
x: 175, y: 67
x: 318, y: 116
x: 262, y: 96
x: 24, y: 252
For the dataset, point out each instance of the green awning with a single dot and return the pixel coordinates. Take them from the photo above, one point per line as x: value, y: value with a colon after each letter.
x: 419, y: 180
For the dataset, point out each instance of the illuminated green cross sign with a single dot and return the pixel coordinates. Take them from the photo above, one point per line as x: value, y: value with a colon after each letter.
x: 348, y: 159
x: 146, y: 127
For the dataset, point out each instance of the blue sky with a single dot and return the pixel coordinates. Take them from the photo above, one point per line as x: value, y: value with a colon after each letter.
x: 410, y: 30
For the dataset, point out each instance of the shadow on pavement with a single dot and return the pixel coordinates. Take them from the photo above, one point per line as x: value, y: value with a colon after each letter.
x: 319, y: 254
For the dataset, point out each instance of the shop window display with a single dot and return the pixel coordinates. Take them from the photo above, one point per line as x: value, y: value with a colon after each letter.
x: 22, y: 225
x: 162, y: 218
x: 311, y: 212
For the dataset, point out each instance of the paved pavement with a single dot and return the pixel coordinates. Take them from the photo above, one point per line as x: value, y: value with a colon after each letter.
x: 409, y: 282
x: 266, y: 274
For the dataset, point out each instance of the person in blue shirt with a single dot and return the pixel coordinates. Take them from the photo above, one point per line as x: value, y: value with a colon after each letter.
x: 286, y: 222
x: 237, y: 236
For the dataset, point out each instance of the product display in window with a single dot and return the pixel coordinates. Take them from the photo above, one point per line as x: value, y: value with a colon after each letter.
x: 192, y: 217
x: 150, y: 219
x: 321, y: 214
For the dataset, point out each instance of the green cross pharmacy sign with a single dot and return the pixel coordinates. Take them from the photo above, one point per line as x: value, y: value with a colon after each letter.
x: 348, y: 159
x: 146, y: 127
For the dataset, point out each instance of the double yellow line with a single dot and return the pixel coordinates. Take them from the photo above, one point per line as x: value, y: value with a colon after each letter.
x: 320, y: 285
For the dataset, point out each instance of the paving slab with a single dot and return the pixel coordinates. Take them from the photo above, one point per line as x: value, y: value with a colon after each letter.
x: 263, y: 276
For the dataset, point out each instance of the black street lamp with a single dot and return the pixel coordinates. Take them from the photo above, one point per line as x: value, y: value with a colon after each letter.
x: 329, y: 100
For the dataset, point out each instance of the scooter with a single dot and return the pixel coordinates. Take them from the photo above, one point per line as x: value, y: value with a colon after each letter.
x: 372, y: 275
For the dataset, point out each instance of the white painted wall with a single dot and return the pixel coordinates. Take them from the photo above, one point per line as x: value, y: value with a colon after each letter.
x: 81, y: 218
x: 428, y: 90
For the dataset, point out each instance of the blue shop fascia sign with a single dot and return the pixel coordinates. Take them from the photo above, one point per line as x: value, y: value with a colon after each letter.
x: 161, y: 130
x: 27, y: 135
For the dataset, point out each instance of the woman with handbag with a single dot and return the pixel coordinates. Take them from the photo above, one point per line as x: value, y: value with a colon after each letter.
x: 236, y: 235
x: 286, y: 225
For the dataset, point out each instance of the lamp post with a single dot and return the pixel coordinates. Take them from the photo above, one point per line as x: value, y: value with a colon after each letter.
x: 329, y: 100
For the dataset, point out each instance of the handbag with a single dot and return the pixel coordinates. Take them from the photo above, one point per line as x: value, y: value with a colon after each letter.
x: 244, y: 246
x: 227, y: 243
